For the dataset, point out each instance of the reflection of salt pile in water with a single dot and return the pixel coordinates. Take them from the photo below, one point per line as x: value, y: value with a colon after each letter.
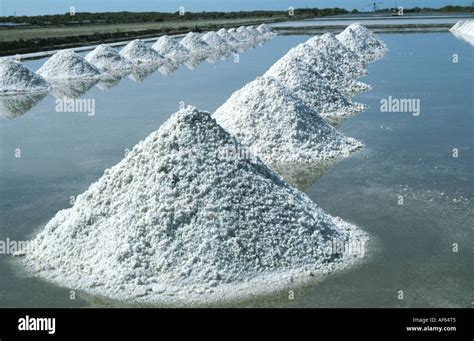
x: 181, y: 219
x: 317, y: 93
x: 17, y: 78
x: 363, y: 42
x: 138, y: 52
x: 278, y: 127
x: 72, y: 88
x: 107, y: 59
x: 334, y: 50
x: 171, y: 49
x: 326, y: 68
x: 15, y: 105
x: 464, y: 30
x: 196, y: 46
x: 142, y: 71
x: 67, y: 64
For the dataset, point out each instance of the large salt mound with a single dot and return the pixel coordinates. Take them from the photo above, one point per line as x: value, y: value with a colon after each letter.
x: 334, y: 50
x: 315, y: 90
x: 277, y: 126
x: 184, y: 218
x: 67, y: 64
x: 17, y: 78
x: 171, y: 49
x: 363, y: 42
x: 216, y: 41
x: 196, y: 46
x: 326, y: 68
x: 245, y: 35
x: 138, y: 52
x: 107, y: 59
x: 256, y: 33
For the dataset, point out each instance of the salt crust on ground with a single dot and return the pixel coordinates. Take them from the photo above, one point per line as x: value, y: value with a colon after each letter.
x: 267, y: 117
x: 181, y: 219
x: 67, y: 64
x: 17, y: 78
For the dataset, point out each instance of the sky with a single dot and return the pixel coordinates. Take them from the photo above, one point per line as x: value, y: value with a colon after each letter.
x: 40, y: 7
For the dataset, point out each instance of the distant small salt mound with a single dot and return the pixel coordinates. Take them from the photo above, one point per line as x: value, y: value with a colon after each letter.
x: 17, y: 78
x: 216, y: 41
x: 171, y: 49
x: 256, y: 33
x: 334, y: 50
x: 328, y: 69
x: 363, y: 42
x: 229, y: 38
x: 277, y: 126
x: 265, y: 30
x: 107, y: 59
x: 245, y: 34
x: 138, y: 52
x: 315, y: 91
x: 196, y: 46
x: 464, y: 30
x: 67, y: 64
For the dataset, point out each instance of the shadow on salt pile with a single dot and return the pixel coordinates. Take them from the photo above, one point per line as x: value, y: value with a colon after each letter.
x: 12, y: 106
x: 303, y: 175
x: 72, y: 88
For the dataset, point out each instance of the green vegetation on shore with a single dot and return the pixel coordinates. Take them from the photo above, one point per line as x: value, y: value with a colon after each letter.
x: 48, y: 32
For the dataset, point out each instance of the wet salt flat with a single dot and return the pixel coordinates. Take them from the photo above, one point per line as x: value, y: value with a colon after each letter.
x: 62, y: 153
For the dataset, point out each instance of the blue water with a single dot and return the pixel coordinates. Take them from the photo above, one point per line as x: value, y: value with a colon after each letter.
x: 63, y: 153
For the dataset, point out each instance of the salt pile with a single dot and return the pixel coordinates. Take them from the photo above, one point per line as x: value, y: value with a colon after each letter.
x: 181, y: 219
x: 363, y: 42
x: 328, y: 69
x: 255, y: 33
x: 315, y: 90
x: 334, y: 50
x: 277, y: 126
x: 464, y: 30
x: 465, y: 27
x: 67, y: 64
x: 245, y: 34
x: 137, y: 52
x: 265, y: 30
x: 216, y: 41
x: 171, y: 49
x: 17, y: 78
x: 228, y: 38
x: 196, y: 46
x: 107, y: 59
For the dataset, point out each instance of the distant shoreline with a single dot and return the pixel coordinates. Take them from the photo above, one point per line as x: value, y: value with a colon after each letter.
x: 35, y: 42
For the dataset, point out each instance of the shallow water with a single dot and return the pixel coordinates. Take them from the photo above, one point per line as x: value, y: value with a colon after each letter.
x: 63, y: 153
